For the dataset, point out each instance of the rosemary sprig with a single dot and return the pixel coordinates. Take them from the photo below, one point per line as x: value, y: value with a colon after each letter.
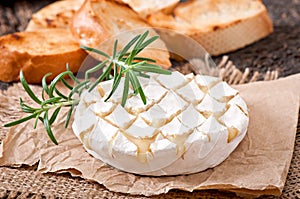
x: 125, y: 63
x: 55, y: 101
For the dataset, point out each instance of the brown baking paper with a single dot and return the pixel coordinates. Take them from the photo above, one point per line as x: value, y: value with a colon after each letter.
x: 259, y: 165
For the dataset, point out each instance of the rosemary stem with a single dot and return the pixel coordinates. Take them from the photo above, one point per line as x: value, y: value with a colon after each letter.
x: 121, y: 63
x: 124, y: 63
x: 72, y: 102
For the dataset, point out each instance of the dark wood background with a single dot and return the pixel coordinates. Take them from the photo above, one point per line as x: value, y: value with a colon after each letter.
x: 279, y: 51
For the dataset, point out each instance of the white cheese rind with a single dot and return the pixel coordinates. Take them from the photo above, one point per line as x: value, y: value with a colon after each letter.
x: 140, y: 129
x: 154, y: 91
x: 233, y: 117
x: 172, y: 104
x: 206, y: 81
x: 211, y: 105
x: 155, y: 116
x: 190, y: 117
x: 174, y: 128
x: 191, y: 92
x: 189, y: 124
x: 238, y: 101
x: 120, y: 117
x: 173, y: 81
x: 222, y: 91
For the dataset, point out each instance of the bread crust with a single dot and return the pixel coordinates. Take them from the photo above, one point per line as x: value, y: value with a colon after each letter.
x: 147, y: 7
x: 98, y: 21
x: 38, y: 53
x: 55, y: 15
x: 217, y: 35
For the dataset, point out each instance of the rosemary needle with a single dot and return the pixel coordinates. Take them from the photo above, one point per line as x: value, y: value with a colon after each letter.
x: 125, y: 62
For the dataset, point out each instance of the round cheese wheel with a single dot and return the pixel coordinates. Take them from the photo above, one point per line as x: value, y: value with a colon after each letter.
x: 189, y: 124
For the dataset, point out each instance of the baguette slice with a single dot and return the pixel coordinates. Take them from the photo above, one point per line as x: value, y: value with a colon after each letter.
x: 97, y: 21
x: 147, y: 7
x: 55, y: 15
x: 219, y: 26
x: 38, y: 53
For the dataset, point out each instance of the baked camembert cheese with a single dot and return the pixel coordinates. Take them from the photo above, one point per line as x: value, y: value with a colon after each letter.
x: 189, y: 124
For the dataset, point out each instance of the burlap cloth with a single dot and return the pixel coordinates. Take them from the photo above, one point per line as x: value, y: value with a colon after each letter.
x: 279, y: 54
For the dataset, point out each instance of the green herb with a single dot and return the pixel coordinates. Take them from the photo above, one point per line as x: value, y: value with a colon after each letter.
x: 123, y: 63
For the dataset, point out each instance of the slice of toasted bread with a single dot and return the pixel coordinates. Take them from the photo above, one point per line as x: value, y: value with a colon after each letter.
x: 38, y: 53
x: 220, y: 26
x: 99, y: 20
x: 146, y: 7
x: 55, y: 15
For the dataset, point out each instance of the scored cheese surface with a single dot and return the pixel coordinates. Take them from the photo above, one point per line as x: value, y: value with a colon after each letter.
x: 190, y: 123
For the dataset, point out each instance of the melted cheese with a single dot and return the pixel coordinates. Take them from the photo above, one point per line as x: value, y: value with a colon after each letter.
x: 190, y: 123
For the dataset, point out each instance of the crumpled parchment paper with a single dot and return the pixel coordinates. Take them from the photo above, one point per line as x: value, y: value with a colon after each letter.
x: 258, y: 166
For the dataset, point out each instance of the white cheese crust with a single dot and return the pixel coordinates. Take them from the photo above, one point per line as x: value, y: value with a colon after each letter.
x: 189, y: 124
